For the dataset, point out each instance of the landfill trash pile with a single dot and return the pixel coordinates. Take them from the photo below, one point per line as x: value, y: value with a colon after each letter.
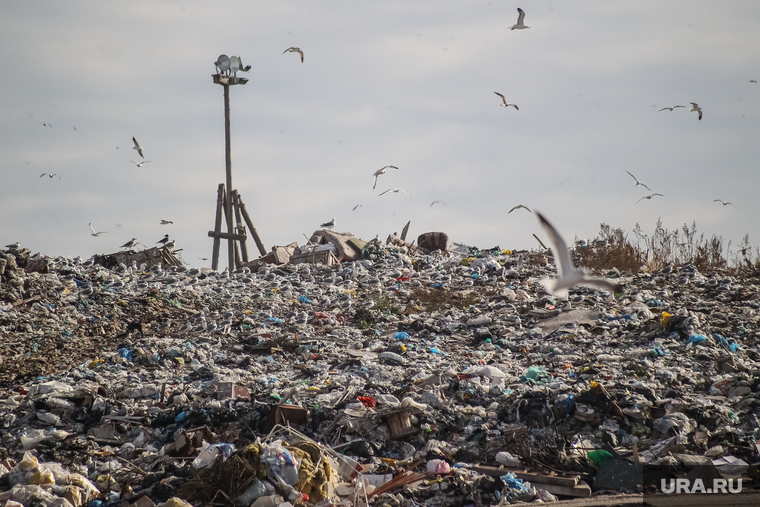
x: 397, y: 378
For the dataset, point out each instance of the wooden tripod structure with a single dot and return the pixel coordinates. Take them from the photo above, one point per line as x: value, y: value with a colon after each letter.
x: 228, y: 199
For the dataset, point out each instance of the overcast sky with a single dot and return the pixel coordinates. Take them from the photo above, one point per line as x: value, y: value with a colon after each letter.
x: 404, y: 83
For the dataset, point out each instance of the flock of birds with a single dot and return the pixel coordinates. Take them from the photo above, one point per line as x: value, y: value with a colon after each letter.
x: 133, y: 241
x: 568, y: 275
x: 520, y: 25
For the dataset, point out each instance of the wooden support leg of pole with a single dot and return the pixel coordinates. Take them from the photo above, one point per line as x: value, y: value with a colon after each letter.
x: 239, y: 221
x: 251, y: 228
x: 217, y: 226
x: 230, y: 242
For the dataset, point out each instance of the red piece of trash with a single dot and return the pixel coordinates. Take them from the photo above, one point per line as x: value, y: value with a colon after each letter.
x: 367, y: 401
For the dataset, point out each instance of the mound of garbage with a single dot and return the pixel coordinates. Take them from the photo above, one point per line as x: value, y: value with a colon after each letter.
x: 349, y: 373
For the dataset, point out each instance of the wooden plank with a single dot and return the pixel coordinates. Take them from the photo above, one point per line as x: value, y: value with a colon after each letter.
x: 240, y: 226
x: 224, y: 235
x: 259, y: 244
x: 531, y: 477
x: 582, y: 490
x: 227, y: 211
x: 217, y: 227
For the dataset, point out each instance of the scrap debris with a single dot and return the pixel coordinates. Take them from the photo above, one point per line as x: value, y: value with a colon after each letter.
x: 352, y: 372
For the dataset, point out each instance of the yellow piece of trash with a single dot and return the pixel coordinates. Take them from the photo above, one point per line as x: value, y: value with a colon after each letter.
x: 593, y: 384
x: 665, y: 318
x: 95, y: 363
x: 506, y: 251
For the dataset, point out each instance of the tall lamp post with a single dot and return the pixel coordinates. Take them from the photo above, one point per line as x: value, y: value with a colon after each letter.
x: 227, y: 69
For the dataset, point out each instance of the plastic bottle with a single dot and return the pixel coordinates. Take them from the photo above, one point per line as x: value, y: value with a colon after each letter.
x: 254, y: 491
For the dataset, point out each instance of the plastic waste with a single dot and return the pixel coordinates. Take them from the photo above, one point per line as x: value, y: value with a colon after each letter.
x: 696, y: 339
x: 599, y: 456
x: 393, y: 357
x: 254, y: 491
x: 280, y: 463
x: 209, y: 453
x: 438, y: 466
x: 507, y: 459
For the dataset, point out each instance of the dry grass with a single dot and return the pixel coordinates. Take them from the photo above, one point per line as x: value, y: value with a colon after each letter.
x: 433, y: 300
x: 679, y: 247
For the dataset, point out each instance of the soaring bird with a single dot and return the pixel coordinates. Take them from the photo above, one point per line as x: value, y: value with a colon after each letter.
x: 438, y: 202
x: 166, y: 222
x: 648, y: 197
x: 518, y: 207
x: 520, y: 20
x: 724, y: 203
x: 140, y: 164
x: 294, y: 50
x: 359, y: 206
x: 137, y: 147
x: 51, y: 175
x: 382, y: 171
x: 46, y: 125
x: 395, y: 190
x: 567, y: 275
x: 669, y: 108
x: 505, y: 103
x: 129, y: 244
x: 638, y: 183
x: 328, y: 225
x: 695, y: 107
x: 96, y: 234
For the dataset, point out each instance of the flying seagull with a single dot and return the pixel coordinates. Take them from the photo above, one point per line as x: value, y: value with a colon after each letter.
x: 137, y: 147
x: 438, y: 202
x: 695, y: 107
x: 669, y: 108
x: 95, y: 234
x: 396, y: 190
x: 163, y: 240
x: 520, y: 20
x: 51, y: 175
x: 328, y: 225
x: 166, y: 222
x: 129, y: 244
x: 505, y: 103
x: 359, y: 206
x: 382, y: 171
x: 753, y: 80
x: 140, y: 164
x: 46, y: 125
x: 518, y: 207
x: 638, y: 183
x: 567, y: 275
x: 724, y: 203
x: 648, y: 197
x: 294, y: 50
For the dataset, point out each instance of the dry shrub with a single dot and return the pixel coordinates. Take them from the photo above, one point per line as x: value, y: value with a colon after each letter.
x: 679, y: 247
x: 617, y: 253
